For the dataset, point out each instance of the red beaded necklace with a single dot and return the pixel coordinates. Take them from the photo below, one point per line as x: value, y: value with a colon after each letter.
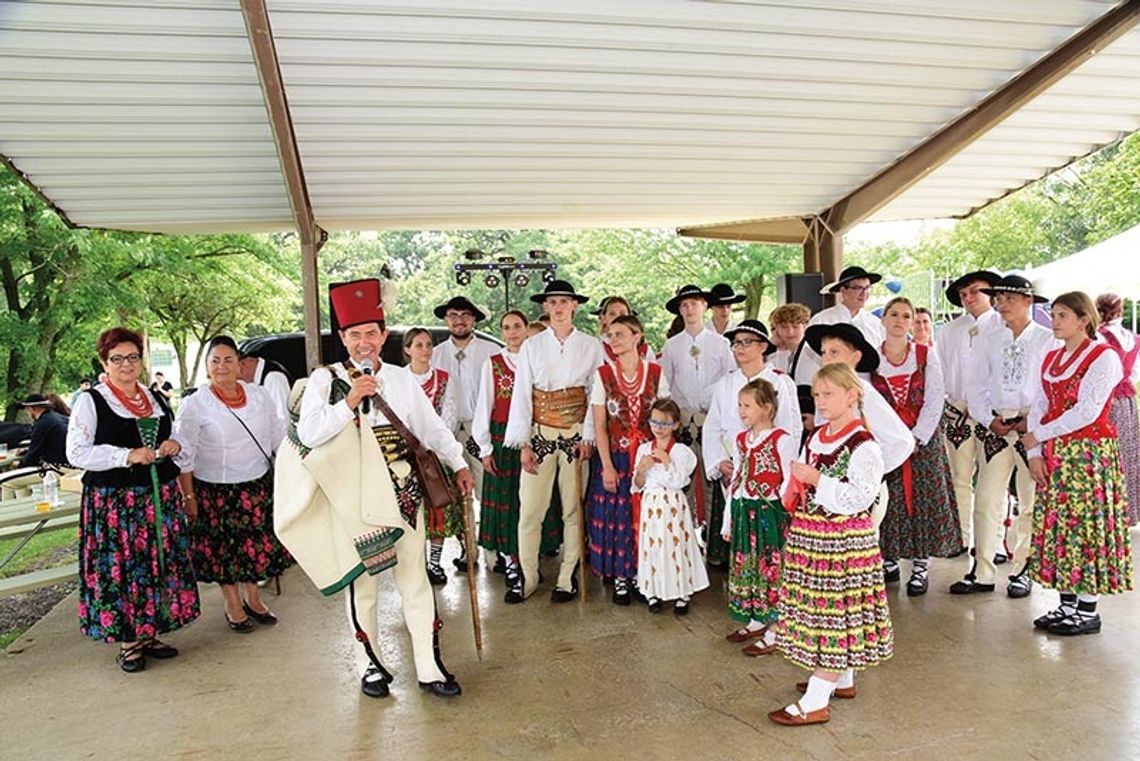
x: 626, y: 387
x: 140, y: 406
x: 1058, y: 369
x: 236, y: 402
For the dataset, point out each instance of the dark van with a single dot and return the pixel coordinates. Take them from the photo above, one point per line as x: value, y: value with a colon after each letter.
x: 288, y: 349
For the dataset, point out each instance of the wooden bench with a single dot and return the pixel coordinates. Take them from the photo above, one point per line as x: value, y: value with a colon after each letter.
x: 45, y: 577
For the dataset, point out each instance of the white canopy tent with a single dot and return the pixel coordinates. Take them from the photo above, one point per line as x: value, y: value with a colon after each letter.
x: 1111, y: 266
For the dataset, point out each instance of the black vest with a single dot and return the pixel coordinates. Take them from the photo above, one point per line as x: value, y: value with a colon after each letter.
x: 123, y: 432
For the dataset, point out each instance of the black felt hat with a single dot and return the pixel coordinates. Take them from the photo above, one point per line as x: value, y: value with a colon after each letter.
x: 752, y: 328
x: 35, y: 400
x: 460, y: 302
x: 686, y: 292
x: 847, y: 275
x: 558, y: 288
x: 849, y: 334
x: 721, y: 295
x: 989, y: 278
x: 1015, y: 284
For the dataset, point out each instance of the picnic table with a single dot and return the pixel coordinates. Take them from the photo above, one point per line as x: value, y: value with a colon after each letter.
x: 22, y: 518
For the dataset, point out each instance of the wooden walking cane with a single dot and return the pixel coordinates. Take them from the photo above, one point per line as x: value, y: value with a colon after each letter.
x: 469, y: 542
x: 584, y: 557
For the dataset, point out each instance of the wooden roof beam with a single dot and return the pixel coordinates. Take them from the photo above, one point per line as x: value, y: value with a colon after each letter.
x: 782, y: 230
x: 928, y: 156
x: 264, y: 49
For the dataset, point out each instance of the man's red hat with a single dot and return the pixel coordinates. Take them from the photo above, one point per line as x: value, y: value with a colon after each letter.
x: 357, y: 302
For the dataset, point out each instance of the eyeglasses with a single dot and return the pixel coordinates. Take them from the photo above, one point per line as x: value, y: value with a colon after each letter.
x: 458, y: 316
x: 661, y: 423
x: 858, y: 288
x: 118, y: 359
x: 746, y: 342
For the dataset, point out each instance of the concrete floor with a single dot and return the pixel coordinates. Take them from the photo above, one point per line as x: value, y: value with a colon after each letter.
x: 970, y: 679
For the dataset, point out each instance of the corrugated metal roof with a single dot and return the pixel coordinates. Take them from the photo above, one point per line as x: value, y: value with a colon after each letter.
x: 148, y: 114
x: 140, y: 115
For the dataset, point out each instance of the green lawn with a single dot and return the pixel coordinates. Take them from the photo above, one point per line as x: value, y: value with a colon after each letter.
x: 36, y: 550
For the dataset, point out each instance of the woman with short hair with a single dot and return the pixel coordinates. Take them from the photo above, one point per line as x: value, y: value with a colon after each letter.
x: 135, y: 577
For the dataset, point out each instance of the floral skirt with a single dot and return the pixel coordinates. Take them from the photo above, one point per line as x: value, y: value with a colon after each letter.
x: 934, y: 528
x: 1124, y: 416
x: 127, y: 592
x: 833, y: 611
x: 499, y: 503
x: 1080, y: 539
x: 610, y: 522
x: 669, y: 564
x: 233, y: 537
x: 758, y: 528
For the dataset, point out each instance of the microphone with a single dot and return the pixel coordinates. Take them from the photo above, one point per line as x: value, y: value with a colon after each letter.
x: 366, y: 403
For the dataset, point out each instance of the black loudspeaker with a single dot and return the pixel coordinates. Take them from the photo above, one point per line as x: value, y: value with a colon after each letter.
x: 801, y: 288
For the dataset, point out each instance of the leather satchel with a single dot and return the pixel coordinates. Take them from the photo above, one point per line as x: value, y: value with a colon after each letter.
x: 437, y: 487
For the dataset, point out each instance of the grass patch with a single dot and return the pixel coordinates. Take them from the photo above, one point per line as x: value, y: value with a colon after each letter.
x: 38, y: 549
x: 7, y: 638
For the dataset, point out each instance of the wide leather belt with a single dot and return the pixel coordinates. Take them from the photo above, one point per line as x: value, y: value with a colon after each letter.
x: 561, y: 409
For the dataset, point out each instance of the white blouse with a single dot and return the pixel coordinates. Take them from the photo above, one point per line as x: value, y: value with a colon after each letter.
x: 864, y: 477
x: 217, y: 448
x: 1127, y: 340
x: 448, y: 410
x: 682, y: 463
x: 693, y: 365
x: 1094, y: 393
x: 83, y: 452
x: 933, y: 396
x: 485, y: 402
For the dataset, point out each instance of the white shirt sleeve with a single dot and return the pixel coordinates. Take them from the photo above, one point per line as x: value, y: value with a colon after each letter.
x: 977, y: 383
x: 713, y: 435
x: 789, y: 449
x: 598, y: 357
x: 933, y: 401
x: 682, y: 463
x: 320, y: 421
x: 643, y: 450
x: 1102, y: 376
x: 597, y: 391
x: 82, y: 451
x: 522, y: 401
x: 429, y: 427
x: 277, y: 386
x: 889, y: 430
x: 484, y: 401
x: 187, y: 429
x: 788, y: 408
x: 663, y: 389
x: 859, y: 491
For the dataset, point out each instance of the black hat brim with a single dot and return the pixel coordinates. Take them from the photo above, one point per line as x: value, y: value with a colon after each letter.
x: 874, y: 277
x: 539, y: 298
x: 673, y: 305
x: 769, y: 348
x: 990, y: 278
x: 869, y: 359
x: 993, y: 292
x: 736, y: 298
x: 459, y: 303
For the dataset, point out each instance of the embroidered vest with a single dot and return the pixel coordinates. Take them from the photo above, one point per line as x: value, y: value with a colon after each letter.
x: 915, y: 388
x: 1063, y: 394
x: 436, y: 388
x: 833, y: 463
x: 1124, y: 389
x: 627, y: 419
x: 761, y: 470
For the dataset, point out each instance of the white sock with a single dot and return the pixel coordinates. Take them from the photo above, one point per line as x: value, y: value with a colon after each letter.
x: 769, y: 638
x: 816, y: 697
x: 434, y: 553
x: 890, y: 565
x: 846, y: 679
x: 755, y: 626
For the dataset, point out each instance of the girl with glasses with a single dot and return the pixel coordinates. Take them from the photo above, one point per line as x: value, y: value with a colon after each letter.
x: 669, y: 563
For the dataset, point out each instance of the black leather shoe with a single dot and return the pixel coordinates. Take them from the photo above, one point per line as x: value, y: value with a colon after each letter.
x: 1019, y: 586
x: 244, y: 626
x: 621, y: 593
x: 500, y: 565
x: 448, y: 689
x: 561, y: 595
x: 891, y: 575
x: 460, y: 564
x: 917, y: 585
x: 132, y: 659
x: 160, y: 650
x: 513, y: 597
x: 681, y: 608
x: 267, y: 618
x: 436, y: 576
x: 1076, y: 625
x: 373, y: 684
x: 1000, y: 558
x: 1054, y: 616
x: 969, y: 587
x: 654, y: 605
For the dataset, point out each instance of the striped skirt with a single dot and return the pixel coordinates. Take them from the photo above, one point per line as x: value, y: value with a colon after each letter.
x: 833, y: 611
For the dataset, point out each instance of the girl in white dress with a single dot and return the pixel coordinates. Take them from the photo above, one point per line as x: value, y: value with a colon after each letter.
x: 669, y: 563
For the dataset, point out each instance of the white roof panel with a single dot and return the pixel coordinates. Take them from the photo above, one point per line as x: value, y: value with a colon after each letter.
x: 149, y: 114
